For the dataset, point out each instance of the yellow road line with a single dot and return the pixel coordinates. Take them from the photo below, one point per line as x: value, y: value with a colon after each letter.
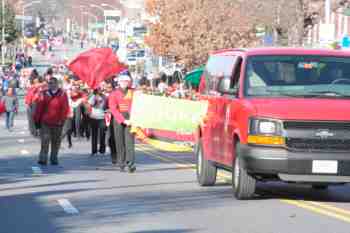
x: 316, y: 207
x: 165, y: 159
x: 168, y: 159
x: 221, y: 175
x: 179, y: 163
x: 304, y: 205
x: 166, y: 146
x: 330, y: 208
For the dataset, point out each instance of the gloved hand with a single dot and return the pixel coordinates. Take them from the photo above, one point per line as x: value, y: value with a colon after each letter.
x: 127, y: 123
x: 37, y: 125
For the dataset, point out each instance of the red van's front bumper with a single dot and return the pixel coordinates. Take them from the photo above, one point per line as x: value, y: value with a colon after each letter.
x: 294, y: 166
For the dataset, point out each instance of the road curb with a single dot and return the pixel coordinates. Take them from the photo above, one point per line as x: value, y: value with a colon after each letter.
x: 167, y: 146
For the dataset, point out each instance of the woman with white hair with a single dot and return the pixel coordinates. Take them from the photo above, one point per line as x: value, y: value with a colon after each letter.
x: 120, y: 105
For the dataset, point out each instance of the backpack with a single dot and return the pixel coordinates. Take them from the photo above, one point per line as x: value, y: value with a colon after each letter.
x: 13, y: 83
x: 2, y: 106
x: 5, y: 84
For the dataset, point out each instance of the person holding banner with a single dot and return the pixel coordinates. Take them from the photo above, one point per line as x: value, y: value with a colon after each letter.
x: 120, y: 105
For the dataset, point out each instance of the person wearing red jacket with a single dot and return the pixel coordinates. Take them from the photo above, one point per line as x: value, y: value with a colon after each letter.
x: 29, y: 99
x: 119, y: 104
x: 77, y: 101
x: 51, y: 112
x: 108, y: 89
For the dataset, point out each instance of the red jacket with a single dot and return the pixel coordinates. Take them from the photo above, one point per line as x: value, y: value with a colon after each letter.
x: 119, y: 102
x: 52, y: 109
x: 31, y: 95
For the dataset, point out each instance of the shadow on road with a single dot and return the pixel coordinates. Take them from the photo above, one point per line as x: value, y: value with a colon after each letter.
x: 165, y: 231
x: 17, y: 214
x: 302, y: 192
x: 56, y: 185
x: 125, y: 206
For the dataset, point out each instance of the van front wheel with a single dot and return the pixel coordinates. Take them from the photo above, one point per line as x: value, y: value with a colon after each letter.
x: 243, y: 184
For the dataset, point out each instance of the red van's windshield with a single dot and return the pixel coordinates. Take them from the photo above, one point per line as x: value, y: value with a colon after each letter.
x: 298, y: 76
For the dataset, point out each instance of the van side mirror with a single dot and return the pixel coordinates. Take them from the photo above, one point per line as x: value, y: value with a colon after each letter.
x: 225, y: 87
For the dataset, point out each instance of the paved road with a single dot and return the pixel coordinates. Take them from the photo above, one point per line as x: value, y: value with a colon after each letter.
x: 162, y: 196
x: 89, y: 195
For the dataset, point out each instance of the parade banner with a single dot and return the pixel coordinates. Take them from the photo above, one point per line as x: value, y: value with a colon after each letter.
x: 163, y: 113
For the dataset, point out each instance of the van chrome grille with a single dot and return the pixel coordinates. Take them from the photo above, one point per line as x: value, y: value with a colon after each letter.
x: 316, y: 125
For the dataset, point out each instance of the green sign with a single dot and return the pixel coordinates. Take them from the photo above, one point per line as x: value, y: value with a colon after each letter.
x: 163, y: 113
x: 346, y: 11
x: 97, y: 25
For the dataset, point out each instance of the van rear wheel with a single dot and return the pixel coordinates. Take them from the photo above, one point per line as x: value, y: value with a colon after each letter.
x: 243, y: 184
x: 206, y: 171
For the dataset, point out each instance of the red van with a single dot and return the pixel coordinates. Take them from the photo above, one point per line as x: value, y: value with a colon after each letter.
x: 275, y: 114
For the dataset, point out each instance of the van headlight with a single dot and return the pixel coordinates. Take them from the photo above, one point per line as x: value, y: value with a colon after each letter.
x: 265, y: 132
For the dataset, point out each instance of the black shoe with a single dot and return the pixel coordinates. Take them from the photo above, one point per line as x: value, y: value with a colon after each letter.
x: 55, y: 163
x: 42, y: 163
x: 93, y: 154
x: 70, y: 145
x: 132, y: 169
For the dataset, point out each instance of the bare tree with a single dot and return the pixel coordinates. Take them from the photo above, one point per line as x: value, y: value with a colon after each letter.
x: 189, y: 30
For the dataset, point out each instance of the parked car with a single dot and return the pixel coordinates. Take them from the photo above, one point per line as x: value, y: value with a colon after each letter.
x: 275, y: 114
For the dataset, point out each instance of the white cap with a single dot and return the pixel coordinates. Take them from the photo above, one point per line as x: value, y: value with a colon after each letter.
x: 124, y: 78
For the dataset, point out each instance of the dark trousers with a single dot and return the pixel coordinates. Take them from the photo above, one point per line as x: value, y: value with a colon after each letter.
x: 76, y: 120
x: 85, y: 126
x: 98, y: 135
x: 68, y: 130
x: 50, y: 135
x: 111, y: 142
x: 10, y: 116
x: 125, y: 144
x: 31, y: 126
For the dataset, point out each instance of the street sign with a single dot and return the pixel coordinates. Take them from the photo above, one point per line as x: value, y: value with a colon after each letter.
x: 268, y: 40
x: 346, y: 12
x: 346, y: 42
x: 97, y: 25
x: 260, y: 31
x: 327, y: 33
x: 24, y: 17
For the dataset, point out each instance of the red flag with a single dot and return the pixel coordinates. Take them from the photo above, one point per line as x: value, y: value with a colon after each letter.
x: 96, y: 65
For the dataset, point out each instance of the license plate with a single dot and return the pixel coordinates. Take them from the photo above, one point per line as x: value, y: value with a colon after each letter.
x: 325, y: 166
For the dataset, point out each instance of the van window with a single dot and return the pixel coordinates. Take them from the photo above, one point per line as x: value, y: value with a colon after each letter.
x: 218, y: 67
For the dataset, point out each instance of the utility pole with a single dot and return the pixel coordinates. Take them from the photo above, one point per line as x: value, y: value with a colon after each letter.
x: 3, y: 33
x: 23, y: 25
x: 327, y: 11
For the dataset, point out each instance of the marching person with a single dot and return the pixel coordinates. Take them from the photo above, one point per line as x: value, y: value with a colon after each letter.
x: 120, y: 105
x: 30, y: 100
x: 98, y: 127
x: 77, y: 100
x: 108, y: 89
x: 67, y: 130
x: 50, y: 115
x: 85, y: 126
x: 11, y: 106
